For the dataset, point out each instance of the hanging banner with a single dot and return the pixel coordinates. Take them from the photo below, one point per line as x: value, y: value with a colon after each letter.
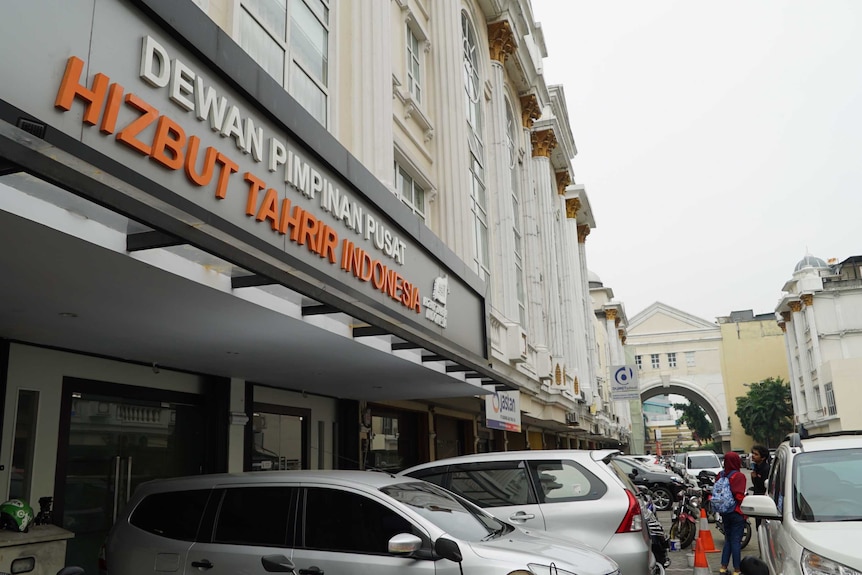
x: 503, y: 410
x: 624, y: 383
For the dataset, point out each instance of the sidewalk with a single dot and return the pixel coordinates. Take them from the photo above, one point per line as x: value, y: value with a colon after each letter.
x: 679, y: 563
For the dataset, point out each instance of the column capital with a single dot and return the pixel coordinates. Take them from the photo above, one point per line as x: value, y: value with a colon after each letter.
x: 617, y: 321
x: 572, y: 207
x: 783, y: 326
x: 610, y: 314
x: 795, y: 306
x: 808, y: 299
x: 785, y: 315
x: 501, y: 40
x: 622, y: 334
x: 563, y: 180
x: 583, y: 232
x: 530, y: 111
x: 544, y: 142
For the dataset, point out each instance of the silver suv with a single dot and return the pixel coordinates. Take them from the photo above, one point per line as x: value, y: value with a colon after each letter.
x: 333, y: 522
x: 572, y: 493
x: 812, y: 510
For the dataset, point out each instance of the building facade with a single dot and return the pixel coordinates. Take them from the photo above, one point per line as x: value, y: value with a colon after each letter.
x: 752, y: 349
x: 678, y: 353
x: 820, y: 314
x: 251, y: 236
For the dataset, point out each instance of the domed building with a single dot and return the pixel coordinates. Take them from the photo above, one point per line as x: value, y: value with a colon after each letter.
x: 821, y: 316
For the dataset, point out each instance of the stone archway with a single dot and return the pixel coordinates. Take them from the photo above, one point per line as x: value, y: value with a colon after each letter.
x: 711, y: 398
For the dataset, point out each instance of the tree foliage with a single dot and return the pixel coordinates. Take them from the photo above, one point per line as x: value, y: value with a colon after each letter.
x: 766, y: 411
x: 695, y: 418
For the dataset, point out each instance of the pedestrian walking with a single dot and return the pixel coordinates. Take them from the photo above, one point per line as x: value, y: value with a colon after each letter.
x: 731, y: 515
x: 759, y: 471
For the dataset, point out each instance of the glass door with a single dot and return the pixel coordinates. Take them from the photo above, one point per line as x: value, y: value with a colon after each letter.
x: 279, y: 437
x: 112, y: 444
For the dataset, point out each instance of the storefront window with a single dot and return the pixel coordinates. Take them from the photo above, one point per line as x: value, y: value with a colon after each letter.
x: 279, y: 438
x: 392, y: 442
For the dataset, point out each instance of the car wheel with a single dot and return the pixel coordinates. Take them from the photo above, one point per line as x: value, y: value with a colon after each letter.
x: 662, y: 498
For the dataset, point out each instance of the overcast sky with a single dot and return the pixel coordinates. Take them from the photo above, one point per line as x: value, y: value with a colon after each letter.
x: 718, y: 141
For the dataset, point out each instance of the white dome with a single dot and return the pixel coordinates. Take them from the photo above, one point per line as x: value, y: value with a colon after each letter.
x: 810, y: 261
x: 593, y: 279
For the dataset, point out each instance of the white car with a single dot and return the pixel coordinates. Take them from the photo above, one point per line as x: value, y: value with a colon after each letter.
x: 697, y: 461
x: 812, y: 512
x: 307, y: 522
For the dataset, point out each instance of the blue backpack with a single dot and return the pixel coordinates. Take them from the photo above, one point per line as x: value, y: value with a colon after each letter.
x: 723, y: 500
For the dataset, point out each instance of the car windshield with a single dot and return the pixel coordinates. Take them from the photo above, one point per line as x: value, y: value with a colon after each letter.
x: 827, y: 485
x: 703, y: 462
x: 454, y: 516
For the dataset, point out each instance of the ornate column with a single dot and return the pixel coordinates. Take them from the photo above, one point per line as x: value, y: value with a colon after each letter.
x: 370, y: 110
x: 581, y: 336
x: 532, y: 246
x: 543, y: 143
x: 611, y: 328
x: 567, y: 268
x: 794, y: 392
x: 498, y: 180
x: 453, y: 197
x: 587, y: 304
x: 804, y: 366
x: 808, y: 302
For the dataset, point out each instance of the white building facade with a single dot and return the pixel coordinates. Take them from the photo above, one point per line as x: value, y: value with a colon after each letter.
x: 252, y: 234
x: 821, y: 316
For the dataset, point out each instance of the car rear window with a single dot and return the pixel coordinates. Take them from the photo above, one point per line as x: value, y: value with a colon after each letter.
x: 492, y: 484
x: 176, y: 515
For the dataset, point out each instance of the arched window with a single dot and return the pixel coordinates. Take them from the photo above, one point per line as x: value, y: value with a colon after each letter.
x: 478, y: 193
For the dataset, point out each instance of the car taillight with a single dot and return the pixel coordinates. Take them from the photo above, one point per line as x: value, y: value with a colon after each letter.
x: 633, y: 521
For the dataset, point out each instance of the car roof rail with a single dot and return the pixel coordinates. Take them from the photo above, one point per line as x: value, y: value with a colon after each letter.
x: 794, y: 439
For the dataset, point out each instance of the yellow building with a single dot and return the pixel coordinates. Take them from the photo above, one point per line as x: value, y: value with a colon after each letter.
x: 752, y: 349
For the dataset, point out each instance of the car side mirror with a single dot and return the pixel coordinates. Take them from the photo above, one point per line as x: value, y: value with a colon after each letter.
x: 448, y: 549
x: 404, y: 544
x: 634, y: 473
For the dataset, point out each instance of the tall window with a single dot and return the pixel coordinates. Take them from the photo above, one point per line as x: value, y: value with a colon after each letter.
x: 654, y: 360
x: 290, y: 40
x: 516, y: 214
x: 831, y: 409
x: 410, y: 192
x: 671, y: 359
x: 478, y: 196
x: 414, y: 63
x: 639, y: 361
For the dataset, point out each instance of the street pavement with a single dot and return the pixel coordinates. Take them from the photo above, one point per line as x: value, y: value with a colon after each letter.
x: 679, y: 562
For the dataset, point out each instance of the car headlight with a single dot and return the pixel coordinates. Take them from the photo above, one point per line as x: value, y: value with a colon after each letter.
x: 814, y: 564
x: 676, y: 479
x: 551, y: 569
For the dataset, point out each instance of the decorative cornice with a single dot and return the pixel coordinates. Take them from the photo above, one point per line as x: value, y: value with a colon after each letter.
x: 543, y: 142
x: 501, y: 40
x: 563, y: 180
x: 795, y: 306
x: 572, y: 207
x: 610, y: 314
x: 808, y: 299
x: 785, y: 315
x: 530, y: 111
x: 583, y: 232
x: 622, y: 334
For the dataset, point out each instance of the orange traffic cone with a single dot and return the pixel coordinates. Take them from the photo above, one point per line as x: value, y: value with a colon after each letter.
x: 701, y: 565
x: 704, y: 535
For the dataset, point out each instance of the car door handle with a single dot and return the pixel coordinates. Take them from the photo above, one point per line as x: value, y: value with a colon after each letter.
x: 277, y: 564
x: 205, y: 564
x: 313, y: 570
x: 521, y: 516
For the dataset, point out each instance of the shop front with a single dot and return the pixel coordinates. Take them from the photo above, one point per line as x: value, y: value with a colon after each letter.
x: 198, y: 278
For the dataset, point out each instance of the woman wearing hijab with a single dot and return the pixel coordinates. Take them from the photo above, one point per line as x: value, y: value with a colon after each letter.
x: 734, y: 521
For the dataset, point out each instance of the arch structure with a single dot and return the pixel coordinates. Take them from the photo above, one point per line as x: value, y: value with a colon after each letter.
x: 704, y: 392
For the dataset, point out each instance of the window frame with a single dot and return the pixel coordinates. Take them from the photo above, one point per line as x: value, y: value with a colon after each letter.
x: 402, y: 174
x: 290, y: 53
x: 671, y: 359
x: 655, y: 360
x: 413, y: 55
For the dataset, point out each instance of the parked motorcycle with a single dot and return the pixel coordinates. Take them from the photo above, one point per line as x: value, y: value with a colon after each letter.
x: 684, y: 516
